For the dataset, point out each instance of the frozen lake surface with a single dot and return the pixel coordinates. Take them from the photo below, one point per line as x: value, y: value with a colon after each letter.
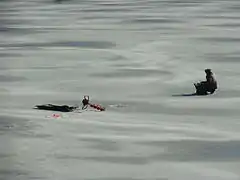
x: 133, y: 57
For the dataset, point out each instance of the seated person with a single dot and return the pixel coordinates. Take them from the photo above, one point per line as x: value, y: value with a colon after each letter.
x: 210, y: 85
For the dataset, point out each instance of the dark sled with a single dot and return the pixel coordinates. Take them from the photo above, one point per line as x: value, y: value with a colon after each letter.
x: 51, y: 107
x: 200, y: 90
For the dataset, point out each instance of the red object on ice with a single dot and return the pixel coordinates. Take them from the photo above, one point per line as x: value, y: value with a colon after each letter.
x: 56, y: 115
x: 97, y: 106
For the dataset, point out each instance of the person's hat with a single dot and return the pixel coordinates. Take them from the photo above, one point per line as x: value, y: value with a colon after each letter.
x: 208, y: 71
